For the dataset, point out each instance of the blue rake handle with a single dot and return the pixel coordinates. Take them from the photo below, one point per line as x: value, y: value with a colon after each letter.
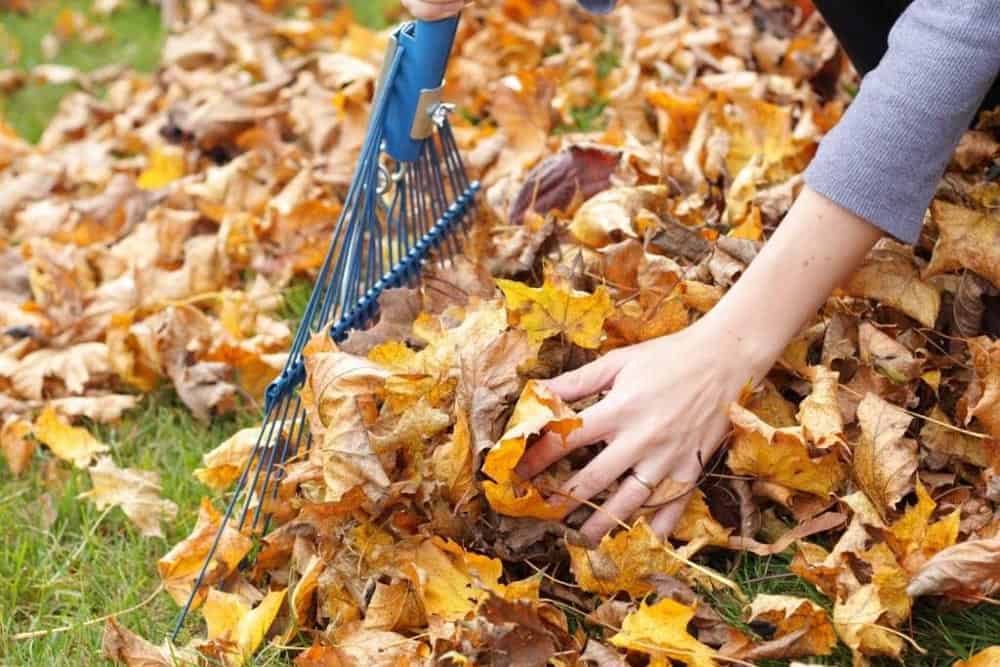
x: 426, y: 46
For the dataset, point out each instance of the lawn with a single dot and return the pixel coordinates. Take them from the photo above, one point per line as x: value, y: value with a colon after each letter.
x: 65, y: 564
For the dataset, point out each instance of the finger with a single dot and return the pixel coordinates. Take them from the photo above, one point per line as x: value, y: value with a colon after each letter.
x: 587, y: 380
x: 666, y: 519
x: 597, y: 423
x: 626, y: 500
x: 598, y: 475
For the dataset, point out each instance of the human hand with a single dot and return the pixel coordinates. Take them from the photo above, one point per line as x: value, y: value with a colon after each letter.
x: 433, y: 10
x: 663, y: 418
x: 666, y: 411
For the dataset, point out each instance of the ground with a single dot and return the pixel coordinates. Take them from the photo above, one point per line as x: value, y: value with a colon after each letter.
x: 64, y: 563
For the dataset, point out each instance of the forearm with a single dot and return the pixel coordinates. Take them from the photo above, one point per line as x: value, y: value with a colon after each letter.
x: 816, y: 248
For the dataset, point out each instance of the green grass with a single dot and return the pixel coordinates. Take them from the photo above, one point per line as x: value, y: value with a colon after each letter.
x: 88, y: 563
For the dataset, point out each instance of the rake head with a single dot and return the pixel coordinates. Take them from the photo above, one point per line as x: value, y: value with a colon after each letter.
x: 408, y: 202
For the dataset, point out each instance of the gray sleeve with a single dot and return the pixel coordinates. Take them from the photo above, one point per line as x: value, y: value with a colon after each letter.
x: 884, y: 159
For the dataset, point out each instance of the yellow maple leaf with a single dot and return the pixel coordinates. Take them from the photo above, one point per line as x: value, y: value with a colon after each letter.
x: 623, y: 561
x: 890, y: 275
x: 452, y: 581
x: 553, y: 310
x: 780, y: 456
x: 395, y: 606
x: 165, y: 165
x: 660, y: 631
x: 70, y: 443
x: 536, y: 411
x: 232, y: 620
x: 304, y: 593
x: 914, y: 538
x: 697, y: 523
x: 884, y: 461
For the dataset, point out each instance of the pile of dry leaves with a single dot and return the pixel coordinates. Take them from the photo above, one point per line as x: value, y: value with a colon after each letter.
x: 632, y: 167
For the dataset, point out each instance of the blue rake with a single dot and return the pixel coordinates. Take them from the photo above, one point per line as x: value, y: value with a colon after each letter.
x: 409, y: 196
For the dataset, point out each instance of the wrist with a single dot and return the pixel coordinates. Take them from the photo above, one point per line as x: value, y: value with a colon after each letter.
x: 817, y: 246
x: 752, y: 342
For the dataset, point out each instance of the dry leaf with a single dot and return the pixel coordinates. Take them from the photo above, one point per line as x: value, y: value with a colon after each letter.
x: 607, y: 217
x: 554, y: 310
x: 70, y: 443
x: 232, y: 621
x: 968, y: 239
x: 137, y: 492
x: 803, y: 618
x: 180, y: 567
x: 18, y: 449
x: 890, y: 276
x: 819, y: 412
x: 780, y: 456
x: 660, y: 631
x: 860, y: 624
x: 968, y: 570
x: 626, y: 560
x: 884, y: 461
x: 537, y: 411
x: 989, y: 657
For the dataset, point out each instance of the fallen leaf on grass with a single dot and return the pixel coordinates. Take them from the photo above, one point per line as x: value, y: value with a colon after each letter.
x: 915, y: 538
x: 860, y: 624
x: 75, y: 367
x: 660, y: 631
x: 989, y: 657
x: 70, y: 443
x: 120, y: 644
x: 18, y: 448
x: 137, y: 492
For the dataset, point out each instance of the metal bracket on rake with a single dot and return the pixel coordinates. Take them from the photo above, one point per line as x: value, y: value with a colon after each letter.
x: 407, y: 204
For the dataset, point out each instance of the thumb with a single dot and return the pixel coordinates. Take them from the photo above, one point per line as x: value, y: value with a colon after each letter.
x: 587, y: 380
